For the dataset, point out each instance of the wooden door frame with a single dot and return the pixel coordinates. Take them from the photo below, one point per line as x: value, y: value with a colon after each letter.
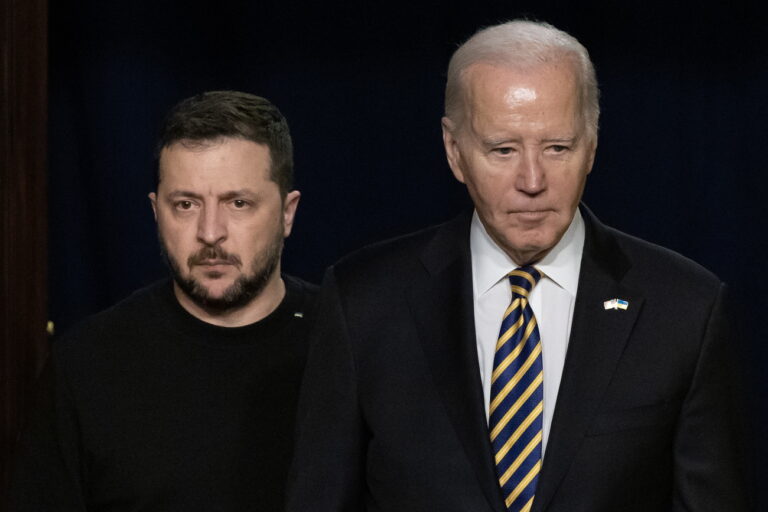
x: 23, y: 202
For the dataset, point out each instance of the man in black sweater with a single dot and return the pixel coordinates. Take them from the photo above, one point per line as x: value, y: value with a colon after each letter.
x: 182, y: 396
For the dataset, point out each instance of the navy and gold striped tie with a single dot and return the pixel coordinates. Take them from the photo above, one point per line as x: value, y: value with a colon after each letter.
x: 517, y: 394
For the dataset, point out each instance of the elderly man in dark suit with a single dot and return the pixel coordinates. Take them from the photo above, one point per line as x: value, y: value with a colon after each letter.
x: 522, y: 357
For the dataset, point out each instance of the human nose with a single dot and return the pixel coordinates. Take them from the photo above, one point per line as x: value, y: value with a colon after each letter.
x: 211, y: 226
x: 531, y: 178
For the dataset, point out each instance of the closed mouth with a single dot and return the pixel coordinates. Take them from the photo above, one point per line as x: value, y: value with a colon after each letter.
x: 213, y: 263
x: 531, y: 212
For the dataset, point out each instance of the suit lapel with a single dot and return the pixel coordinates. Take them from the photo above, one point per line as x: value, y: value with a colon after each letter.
x: 442, y: 307
x: 598, y: 337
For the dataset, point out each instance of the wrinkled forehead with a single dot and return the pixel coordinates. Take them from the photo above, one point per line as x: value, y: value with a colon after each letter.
x: 197, y: 147
x: 502, y: 81
x: 492, y: 88
x: 192, y: 145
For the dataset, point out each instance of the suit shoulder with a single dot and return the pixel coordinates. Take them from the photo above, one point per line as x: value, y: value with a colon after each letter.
x: 653, y: 263
x: 301, y: 294
x: 300, y: 286
x: 381, y: 259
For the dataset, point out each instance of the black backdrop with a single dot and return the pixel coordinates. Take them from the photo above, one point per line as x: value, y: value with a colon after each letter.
x: 680, y: 158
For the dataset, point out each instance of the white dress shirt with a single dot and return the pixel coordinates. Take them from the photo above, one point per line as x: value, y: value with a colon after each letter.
x: 552, y: 301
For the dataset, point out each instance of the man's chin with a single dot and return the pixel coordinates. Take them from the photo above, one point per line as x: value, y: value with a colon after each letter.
x: 214, y: 293
x: 213, y: 282
x: 528, y: 249
x: 213, y: 274
x: 223, y: 294
x: 219, y: 290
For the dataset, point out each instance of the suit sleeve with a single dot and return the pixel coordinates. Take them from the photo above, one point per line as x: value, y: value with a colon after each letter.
x: 710, y: 459
x: 329, y: 454
x: 47, y: 475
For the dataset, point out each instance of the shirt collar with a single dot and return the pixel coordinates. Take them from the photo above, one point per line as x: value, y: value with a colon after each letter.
x: 561, y: 265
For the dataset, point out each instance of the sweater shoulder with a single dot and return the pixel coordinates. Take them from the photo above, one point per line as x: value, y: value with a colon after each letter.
x: 131, y: 315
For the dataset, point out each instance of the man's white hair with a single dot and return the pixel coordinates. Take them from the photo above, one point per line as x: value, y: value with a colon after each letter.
x: 522, y: 44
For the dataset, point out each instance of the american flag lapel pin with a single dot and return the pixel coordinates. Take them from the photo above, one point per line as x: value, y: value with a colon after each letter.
x: 616, y: 304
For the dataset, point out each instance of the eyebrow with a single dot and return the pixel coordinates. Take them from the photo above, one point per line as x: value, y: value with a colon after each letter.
x: 234, y: 194
x: 183, y: 193
x: 231, y: 194
x: 568, y: 140
x: 490, y: 142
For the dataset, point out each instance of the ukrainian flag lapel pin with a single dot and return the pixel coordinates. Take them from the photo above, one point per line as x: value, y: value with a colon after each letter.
x: 616, y: 304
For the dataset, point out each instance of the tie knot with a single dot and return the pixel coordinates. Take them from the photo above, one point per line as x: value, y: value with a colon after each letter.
x: 523, y: 279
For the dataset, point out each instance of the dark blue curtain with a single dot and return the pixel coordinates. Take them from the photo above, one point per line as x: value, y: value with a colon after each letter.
x: 680, y: 160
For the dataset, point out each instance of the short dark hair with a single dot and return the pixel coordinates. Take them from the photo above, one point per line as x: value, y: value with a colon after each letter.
x: 216, y: 114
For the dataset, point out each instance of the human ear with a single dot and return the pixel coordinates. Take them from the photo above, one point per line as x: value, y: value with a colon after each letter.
x: 451, y: 144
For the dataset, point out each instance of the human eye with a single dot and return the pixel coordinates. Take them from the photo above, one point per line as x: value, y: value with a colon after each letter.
x: 503, y: 150
x: 183, y: 204
x: 559, y: 147
x: 240, y: 204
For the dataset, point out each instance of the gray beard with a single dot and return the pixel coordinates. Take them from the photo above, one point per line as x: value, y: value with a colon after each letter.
x: 240, y: 293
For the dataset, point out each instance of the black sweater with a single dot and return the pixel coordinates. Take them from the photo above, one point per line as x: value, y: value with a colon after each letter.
x: 149, y: 408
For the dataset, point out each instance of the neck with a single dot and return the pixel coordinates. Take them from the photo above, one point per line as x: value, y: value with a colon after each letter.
x: 257, y: 309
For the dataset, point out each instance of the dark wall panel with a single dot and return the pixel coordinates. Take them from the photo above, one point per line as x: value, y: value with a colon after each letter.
x: 23, y: 100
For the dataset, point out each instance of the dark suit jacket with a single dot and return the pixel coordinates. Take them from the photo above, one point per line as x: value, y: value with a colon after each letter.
x: 392, y: 415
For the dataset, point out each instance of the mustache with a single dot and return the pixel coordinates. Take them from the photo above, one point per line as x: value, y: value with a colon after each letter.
x: 213, y: 252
